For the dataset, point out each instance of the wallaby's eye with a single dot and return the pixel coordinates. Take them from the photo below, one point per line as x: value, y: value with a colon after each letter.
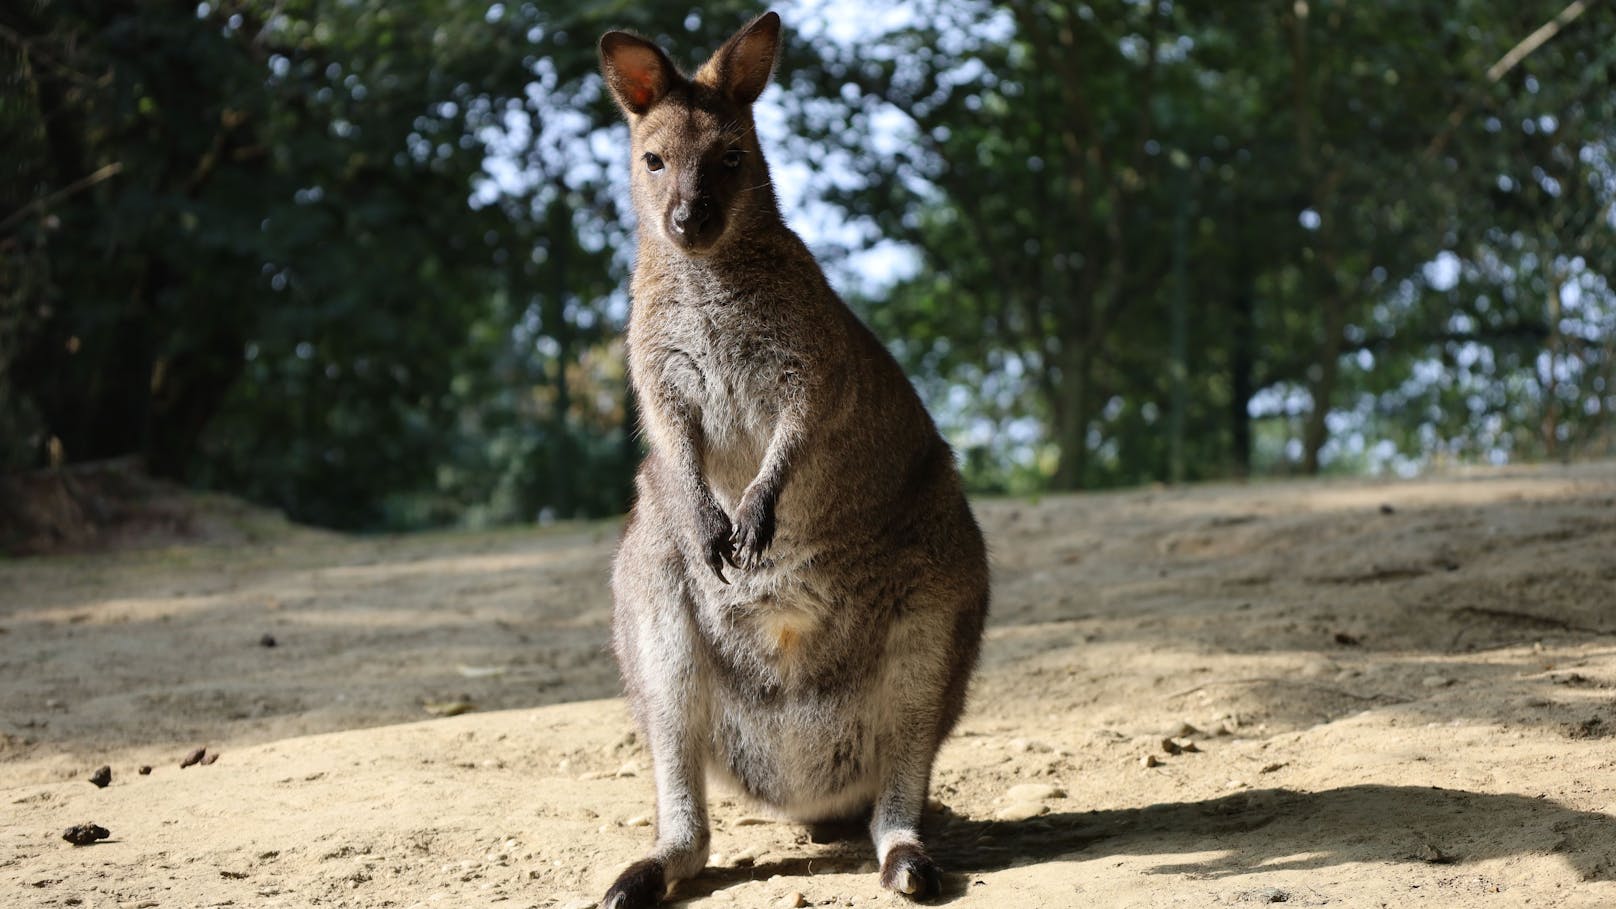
x: 652, y: 162
x: 732, y: 158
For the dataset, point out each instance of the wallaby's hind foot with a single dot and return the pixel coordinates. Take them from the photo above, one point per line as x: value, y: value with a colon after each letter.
x: 640, y: 886
x: 911, y: 872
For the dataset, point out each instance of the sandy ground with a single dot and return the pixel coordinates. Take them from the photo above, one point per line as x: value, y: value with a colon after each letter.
x: 1345, y: 694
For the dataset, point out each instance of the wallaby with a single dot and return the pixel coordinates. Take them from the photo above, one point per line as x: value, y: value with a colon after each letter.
x: 786, y: 447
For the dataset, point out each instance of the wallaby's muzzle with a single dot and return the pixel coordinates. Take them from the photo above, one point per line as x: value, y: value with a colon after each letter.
x: 691, y: 225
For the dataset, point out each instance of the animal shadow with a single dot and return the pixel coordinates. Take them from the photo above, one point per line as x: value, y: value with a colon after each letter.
x: 1257, y: 830
x: 1272, y: 829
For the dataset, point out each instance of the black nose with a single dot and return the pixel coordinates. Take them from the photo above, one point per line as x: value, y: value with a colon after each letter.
x: 688, y: 217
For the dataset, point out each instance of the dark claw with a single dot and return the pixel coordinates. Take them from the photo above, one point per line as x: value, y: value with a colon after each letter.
x: 911, y: 872
x: 640, y: 886
x: 754, y: 531
x: 716, y: 532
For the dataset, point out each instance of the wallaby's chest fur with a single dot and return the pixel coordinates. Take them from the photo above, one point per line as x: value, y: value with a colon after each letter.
x: 721, y: 346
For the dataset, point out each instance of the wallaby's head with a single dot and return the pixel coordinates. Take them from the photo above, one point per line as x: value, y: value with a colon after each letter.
x: 698, y: 169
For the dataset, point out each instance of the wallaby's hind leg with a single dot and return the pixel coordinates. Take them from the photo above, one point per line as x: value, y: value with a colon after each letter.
x: 895, y: 821
x: 656, y: 647
x: 682, y: 833
x: 926, y: 696
x: 895, y: 825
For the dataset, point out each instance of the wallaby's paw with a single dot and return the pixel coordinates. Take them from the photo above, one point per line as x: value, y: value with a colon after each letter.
x: 640, y: 886
x: 911, y: 872
x: 715, y: 540
x: 754, y: 529
x: 719, y: 554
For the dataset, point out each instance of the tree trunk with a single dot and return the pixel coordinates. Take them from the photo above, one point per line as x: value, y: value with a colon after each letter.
x: 563, y: 466
x: 1549, y: 382
x: 1179, y: 342
x: 1317, y: 431
x: 1242, y: 347
x: 1072, y: 413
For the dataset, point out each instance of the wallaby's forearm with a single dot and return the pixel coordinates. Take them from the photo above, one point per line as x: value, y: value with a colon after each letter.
x: 675, y: 428
x: 754, y: 517
x: 784, y: 446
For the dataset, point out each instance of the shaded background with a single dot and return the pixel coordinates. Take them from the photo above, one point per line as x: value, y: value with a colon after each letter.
x: 363, y: 260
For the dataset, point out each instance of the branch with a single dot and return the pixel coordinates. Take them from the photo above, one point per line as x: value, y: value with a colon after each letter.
x: 1501, y: 68
x: 1535, y: 40
x: 44, y: 202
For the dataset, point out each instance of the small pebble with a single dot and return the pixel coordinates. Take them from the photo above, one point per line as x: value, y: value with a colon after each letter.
x: 267, y: 640
x: 794, y: 901
x: 1181, y: 730
x: 638, y: 820
x: 195, y: 757
x: 1386, y: 508
x: 1270, y: 768
x: 145, y: 770
x: 629, y: 769
x: 101, y: 777
x: 210, y: 758
x: 85, y: 834
x: 1149, y: 760
x: 1034, y: 792
x: 1021, y: 811
x: 1436, y: 681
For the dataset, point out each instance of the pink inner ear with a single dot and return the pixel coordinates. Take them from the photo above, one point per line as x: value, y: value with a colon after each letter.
x: 637, y: 72
x: 642, y: 89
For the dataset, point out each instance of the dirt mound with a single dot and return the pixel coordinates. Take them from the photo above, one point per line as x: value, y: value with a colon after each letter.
x: 114, y: 505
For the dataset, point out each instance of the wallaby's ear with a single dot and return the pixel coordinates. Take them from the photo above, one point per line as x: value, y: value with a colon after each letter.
x: 741, y: 68
x: 637, y: 71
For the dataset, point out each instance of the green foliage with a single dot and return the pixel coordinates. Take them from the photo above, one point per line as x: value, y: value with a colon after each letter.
x: 1323, y: 153
x: 363, y: 260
